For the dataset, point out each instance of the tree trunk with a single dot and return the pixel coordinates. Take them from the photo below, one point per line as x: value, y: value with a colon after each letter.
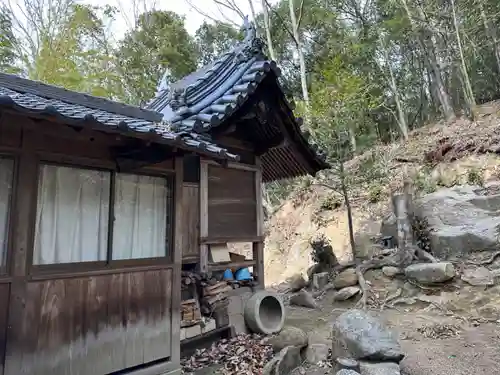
x: 345, y: 193
x: 429, y: 50
x: 403, y: 125
x: 267, y: 26
x: 490, y: 30
x: 467, y: 87
x: 300, y: 53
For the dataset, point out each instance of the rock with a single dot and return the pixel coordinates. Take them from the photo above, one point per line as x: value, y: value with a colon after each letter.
x: 478, y: 277
x: 297, y: 282
x: 316, y: 353
x: 429, y: 273
x: 270, y: 366
x: 288, y: 359
x: 347, y: 372
x: 391, y: 271
x: 320, y: 280
x: 289, y: 336
x: 365, y: 238
x: 346, y: 364
x: 389, y: 228
x: 346, y: 278
x: 385, y: 368
x: 303, y: 298
x: 461, y: 220
x: 346, y: 293
x: 360, y: 335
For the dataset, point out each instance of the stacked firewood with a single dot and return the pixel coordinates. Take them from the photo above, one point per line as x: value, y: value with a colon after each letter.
x: 214, y: 295
x: 190, y: 312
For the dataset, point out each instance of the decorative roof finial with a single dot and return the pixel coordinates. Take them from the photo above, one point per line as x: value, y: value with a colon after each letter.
x: 248, y: 29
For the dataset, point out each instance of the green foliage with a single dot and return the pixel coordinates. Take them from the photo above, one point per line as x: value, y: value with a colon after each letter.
x: 331, y: 202
x: 423, y: 182
x: 8, y: 43
x: 375, y: 193
x: 159, y: 43
x: 475, y: 177
x: 322, y: 252
x: 215, y: 39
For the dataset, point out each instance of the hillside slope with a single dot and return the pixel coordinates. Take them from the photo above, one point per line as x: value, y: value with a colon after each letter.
x: 437, y: 155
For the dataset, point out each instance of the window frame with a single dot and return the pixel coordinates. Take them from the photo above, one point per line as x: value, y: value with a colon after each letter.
x: 5, y: 269
x: 109, y: 263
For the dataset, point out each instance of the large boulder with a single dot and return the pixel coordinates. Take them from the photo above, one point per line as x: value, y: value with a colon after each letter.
x: 289, y: 336
x: 360, y: 335
x: 303, y: 298
x: 346, y: 278
x: 461, y: 219
x: 430, y: 273
x: 384, y: 368
x: 316, y: 353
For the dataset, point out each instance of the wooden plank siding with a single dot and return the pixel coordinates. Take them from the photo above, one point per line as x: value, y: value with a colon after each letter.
x: 191, y: 223
x: 82, y: 320
x: 92, y: 325
x: 232, y: 205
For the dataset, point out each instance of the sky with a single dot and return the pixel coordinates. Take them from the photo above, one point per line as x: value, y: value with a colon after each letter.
x: 193, y: 18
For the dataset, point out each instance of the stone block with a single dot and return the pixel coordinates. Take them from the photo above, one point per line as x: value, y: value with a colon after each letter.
x: 209, y: 326
x: 193, y: 331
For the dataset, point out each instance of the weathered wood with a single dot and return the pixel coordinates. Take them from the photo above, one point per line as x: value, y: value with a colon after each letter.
x: 258, y: 247
x: 232, y: 203
x: 179, y: 244
x: 191, y: 225
x: 203, y: 264
x: 4, y: 309
x: 92, y: 325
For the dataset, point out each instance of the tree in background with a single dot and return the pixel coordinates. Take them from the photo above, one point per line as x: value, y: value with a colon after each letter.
x: 8, y: 44
x: 158, y: 43
x: 215, y: 39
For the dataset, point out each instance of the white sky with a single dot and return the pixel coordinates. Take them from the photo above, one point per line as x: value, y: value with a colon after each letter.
x: 193, y: 18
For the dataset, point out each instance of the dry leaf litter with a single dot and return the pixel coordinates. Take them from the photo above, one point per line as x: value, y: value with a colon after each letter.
x: 439, y: 331
x: 242, y: 355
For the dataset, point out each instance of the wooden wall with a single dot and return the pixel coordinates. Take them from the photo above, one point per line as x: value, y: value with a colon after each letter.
x: 191, y: 226
x: 232, y: 206
x: 74, y: 320
x: 92, y: 325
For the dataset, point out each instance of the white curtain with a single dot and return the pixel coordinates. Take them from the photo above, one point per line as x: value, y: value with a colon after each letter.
x: 72, y: 215
x: 140, y: 209
x: 6, y: 175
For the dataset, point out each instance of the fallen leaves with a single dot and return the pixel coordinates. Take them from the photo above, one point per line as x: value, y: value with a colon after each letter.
x: 242, y: 355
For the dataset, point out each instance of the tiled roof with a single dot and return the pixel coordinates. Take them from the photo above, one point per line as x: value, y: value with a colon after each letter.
x: 208, y: 97
x: 38, y: 99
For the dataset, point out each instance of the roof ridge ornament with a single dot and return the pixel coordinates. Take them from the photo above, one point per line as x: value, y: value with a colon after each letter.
x: 252, y: 45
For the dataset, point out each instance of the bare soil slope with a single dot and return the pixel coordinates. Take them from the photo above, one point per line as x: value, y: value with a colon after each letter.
x: 437, y: 155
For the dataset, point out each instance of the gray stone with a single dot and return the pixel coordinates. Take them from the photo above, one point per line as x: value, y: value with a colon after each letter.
x: 389, y: 228
x: 303, y: 298
x: 461, y: 219
x: 478, y: 277
x: 316, y: 353
x: 320, y: 280
x: 391, y: 271
x: 288, y: 359
x: 385, y: 368
x: 347, y: 372
x: 346, y: 293
x: 346, y: 278
x: 289, y: 336
x: 360, y: 335
x: 270, y: 366
x: 297, y: 282
x: 346, y: 364
x: 429, y: 273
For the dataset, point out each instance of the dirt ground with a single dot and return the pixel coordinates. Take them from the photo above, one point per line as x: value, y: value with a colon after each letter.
x: 473, y: 349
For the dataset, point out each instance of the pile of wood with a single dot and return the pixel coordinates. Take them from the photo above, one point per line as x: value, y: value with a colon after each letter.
x: 190, y: 312
x: 215, y: 296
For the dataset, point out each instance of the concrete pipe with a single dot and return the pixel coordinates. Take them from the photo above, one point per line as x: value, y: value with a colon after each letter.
x: 264, y: 313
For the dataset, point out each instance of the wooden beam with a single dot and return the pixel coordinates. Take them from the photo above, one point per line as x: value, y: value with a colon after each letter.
x: 258, y: 246
x: 203, y: 265
x: 179, y: 231
x: 243, y: 167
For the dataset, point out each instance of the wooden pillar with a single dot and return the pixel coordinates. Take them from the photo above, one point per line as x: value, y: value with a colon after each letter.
x: 203, y: 263
x: 179, y: 231
x: 24, y: 206
x: 258, y: 247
